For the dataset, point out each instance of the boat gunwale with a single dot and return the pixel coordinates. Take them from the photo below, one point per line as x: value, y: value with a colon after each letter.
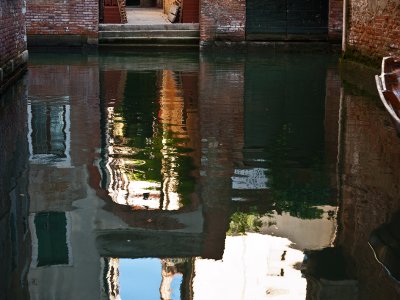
x: 390, y: 68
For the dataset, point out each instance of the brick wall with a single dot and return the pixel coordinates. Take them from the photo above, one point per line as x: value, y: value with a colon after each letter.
x: 222, y: 20
x: 55, y: 22
x: 335, y: 19
x: 13, y: 55
x: 374, y: 27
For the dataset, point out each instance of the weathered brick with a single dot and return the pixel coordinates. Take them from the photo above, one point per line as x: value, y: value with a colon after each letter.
x: 58, y: 19
x: 374, y: 27
x: 12, y: 40
x: 222, y: 20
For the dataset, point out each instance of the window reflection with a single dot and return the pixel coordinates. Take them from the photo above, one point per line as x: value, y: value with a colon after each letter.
x: 49, y: 131
x: 50, y: 239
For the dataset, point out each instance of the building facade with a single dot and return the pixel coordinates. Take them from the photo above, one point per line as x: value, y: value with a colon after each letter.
x: 76, y: 22
x: 13, y: 53
x: 371, y: 27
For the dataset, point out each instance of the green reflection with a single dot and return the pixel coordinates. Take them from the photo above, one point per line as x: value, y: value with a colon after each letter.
x: 242, y: 222
x: 149, y: 149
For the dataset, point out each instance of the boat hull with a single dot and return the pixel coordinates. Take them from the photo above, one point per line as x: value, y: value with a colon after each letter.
x: 388, y: 85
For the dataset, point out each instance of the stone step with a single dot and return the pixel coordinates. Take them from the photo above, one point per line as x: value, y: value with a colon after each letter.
x: 149, y: 33
x: 132, y: 27
x: 148, y: 46
x: 149, y: 40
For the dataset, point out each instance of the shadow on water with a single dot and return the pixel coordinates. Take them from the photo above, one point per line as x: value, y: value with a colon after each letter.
x: 187, y: 176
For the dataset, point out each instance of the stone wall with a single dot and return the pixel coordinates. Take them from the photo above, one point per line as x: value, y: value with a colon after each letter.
x: 62, y: 22
x: 13, y: 54
x: 222, y: 20
x: 374, y: 27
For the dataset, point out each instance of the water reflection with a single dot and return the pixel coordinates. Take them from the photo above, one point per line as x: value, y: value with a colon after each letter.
x: 148, y: 278
x: 370, y: 183
x: 150, y: 134
x: 253, y: 266
x: 284, y: 114
x: 179, y: 176
x: 15, y: 253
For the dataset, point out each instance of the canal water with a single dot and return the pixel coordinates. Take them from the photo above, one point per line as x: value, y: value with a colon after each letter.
x: 160, y: 175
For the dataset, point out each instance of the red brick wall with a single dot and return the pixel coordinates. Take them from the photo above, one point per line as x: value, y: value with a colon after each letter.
x: 222, y: 20
x: 335, y: 19
x: 63, y: 18
x: 374, y: 27
x: 12, y: 39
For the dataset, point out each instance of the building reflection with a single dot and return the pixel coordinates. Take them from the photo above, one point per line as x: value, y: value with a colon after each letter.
x: 369, y: 198
x: 368, y: 186
x: 63, y: 98
x: 211, y: 172
x: 150, y: 149
x: 235, y: 190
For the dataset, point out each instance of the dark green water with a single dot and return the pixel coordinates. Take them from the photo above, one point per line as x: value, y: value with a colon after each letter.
x: 183, y: 176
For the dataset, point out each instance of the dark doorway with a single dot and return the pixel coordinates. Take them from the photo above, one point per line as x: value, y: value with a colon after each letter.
x: 285, y: 20
x: 132, y: 2
x: 141, y: 3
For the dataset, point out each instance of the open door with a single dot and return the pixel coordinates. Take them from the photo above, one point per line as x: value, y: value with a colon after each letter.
x: 112, y: 11
x: 190, y: 11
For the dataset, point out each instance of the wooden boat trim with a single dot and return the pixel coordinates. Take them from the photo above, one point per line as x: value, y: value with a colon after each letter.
x: 381, y: 91
x: 388, y: 86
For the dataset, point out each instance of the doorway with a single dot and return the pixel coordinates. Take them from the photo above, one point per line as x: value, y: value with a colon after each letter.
x: 132, y: 2
x: 142, y: 3
x: 286, y: 20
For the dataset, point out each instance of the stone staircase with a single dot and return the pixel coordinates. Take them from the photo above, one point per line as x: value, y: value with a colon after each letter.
x: 162, y: 35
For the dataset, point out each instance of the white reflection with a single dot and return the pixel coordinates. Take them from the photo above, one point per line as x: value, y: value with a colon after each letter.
x: 253, y: 266
x: 249, y: 179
